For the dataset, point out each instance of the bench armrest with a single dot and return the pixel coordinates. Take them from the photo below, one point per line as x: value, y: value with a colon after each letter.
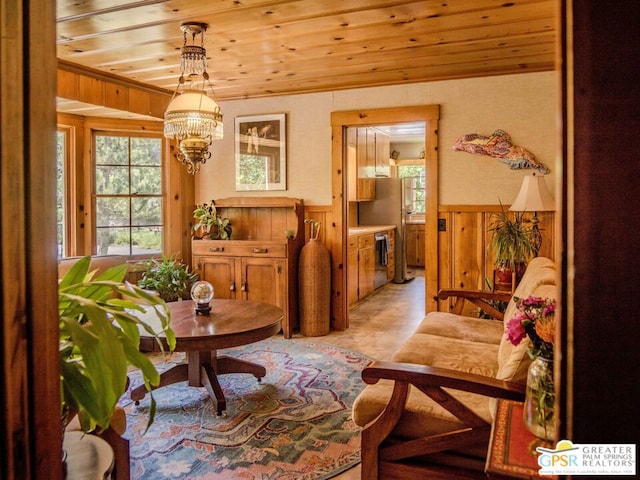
x: 478, y: 298
x: 423, y: 376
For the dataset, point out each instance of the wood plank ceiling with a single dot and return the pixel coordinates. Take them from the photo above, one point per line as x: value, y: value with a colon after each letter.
x: 259, y: 48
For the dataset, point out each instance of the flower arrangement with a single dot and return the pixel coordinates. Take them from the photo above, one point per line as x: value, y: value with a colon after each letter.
x: 535, y: 319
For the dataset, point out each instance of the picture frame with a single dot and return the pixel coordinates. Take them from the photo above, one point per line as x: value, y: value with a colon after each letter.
x: 261, y: 152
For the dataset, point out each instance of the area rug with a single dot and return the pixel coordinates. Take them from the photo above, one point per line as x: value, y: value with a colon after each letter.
x: 295, y: 424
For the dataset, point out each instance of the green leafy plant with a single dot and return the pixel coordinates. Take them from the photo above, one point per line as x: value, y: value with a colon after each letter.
x: 512, y: 240
x: 209, y: 221
x: 100, y: 339
x: 169, y: 277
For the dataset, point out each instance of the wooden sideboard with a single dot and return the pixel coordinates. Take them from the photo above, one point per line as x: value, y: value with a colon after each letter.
x: 260, y: 262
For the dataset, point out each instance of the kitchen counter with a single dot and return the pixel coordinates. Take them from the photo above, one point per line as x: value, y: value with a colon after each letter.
x: 365, y: 229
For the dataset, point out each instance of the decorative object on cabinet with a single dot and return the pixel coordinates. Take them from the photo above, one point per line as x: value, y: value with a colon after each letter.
x: 261, y: 153
x: 192, y: 118
x: 315, y: 285
x: 498, y: 145
x: 210, y: 223
x: 259, y: 263
x: 169, y: 278
x: 513, y: 244
x: 534, y: 196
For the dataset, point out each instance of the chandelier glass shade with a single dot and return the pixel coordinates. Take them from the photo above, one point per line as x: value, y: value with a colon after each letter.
x: 192, y: 118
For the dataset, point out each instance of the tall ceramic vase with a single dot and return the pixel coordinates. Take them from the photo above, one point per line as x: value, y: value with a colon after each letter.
x: 539, y: 403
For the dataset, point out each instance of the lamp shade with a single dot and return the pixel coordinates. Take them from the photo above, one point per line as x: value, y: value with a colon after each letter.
x: 193, y: 114
x: 534, y: 196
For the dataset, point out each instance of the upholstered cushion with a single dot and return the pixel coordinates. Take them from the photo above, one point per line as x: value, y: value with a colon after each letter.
x: 452, y: 353
x: 472, y: 329
x: 422, y: 416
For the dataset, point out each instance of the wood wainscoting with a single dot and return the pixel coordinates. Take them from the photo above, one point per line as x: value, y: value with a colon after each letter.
x: 464, y: 259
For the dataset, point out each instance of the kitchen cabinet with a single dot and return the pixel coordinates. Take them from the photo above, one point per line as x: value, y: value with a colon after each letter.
x: 361, y: 263
x: 382, y: 153
x: 259, y: 263
x: 415, y: 244
x: 366, y: 265
x: 361, y: 188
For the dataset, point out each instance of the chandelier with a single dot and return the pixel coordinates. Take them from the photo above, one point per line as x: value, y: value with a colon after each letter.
x: 192, y: 118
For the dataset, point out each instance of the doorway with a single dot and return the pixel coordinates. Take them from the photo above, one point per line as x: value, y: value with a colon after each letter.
x: 340, y: 121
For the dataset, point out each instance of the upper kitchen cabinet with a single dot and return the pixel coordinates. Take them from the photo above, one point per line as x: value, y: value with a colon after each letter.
x: 368, y: 152
x: 381, y: 152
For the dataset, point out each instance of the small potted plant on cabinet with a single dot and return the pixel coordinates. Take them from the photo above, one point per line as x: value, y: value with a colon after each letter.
x: 209, y: 223
x: 513, y: 243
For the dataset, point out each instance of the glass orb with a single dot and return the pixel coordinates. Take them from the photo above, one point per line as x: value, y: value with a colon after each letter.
x: 202, y: 294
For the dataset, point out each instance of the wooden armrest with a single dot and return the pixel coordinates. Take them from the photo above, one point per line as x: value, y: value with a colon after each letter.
x: 428, y: 377
x: 478, y: 298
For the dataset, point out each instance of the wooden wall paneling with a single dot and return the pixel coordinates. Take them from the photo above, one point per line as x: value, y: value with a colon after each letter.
x: 180, y: 202
x: 30, y: 426
x: 67, y: 85
x: 335, y: 230
x: 139, y: 102
x: 468, y: 262
x: 444, y: 260
x: 116, y: 96
x: 91, y: 90
x: 317, y: 213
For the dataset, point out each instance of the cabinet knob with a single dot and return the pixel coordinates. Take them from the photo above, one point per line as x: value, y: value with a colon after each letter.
x: 232, y: 286
x: 260, y: 250
x: 243, y: 287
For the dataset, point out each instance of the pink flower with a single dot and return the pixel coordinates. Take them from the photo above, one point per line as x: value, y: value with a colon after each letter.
x: 515, y: 330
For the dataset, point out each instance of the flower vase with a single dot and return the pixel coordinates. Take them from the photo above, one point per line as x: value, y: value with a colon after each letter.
x: 539, y: 403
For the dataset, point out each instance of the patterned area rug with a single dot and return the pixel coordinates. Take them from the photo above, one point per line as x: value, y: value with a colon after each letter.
x: 295, y: 424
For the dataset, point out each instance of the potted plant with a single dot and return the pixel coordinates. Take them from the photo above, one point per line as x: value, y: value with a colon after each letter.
x: 169, y: 278
x: 513, y: 244
x: 210, y: 223
x: 99, y: 341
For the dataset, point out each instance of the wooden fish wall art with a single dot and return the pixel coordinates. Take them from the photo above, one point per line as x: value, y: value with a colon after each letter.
x: 498, y: 145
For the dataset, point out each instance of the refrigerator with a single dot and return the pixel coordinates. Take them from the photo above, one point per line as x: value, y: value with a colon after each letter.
x: 391, y: 207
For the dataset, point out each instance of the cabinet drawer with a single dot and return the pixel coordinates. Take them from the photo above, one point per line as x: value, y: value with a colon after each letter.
x: 365, y: 241
x: 353, y: 243
x: 239, y: 248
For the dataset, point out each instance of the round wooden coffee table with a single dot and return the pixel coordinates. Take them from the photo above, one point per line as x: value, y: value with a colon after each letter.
x: 231, y: 323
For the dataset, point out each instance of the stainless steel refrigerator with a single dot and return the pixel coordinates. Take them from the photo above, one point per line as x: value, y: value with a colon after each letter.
x: 391, y: 207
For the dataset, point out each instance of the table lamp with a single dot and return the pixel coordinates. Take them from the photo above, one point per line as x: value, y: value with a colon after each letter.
x: 534, y: 196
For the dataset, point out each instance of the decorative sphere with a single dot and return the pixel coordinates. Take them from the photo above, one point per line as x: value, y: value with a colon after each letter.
x: 202, y: 292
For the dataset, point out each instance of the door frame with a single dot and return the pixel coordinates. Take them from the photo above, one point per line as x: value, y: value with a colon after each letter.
x: 338, y: 231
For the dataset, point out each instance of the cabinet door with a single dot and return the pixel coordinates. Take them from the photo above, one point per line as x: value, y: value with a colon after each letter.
x: 219, y: 272
x: 366, y: 271
x: 412, y: 246
x: 352, y: 273
x: 264, y: 280
x: 383, y: 153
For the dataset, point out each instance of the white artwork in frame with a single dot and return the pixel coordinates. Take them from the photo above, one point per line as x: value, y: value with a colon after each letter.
x: 261, y: 152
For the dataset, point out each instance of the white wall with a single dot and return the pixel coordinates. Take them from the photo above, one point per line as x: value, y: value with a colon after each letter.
x: 525, y: 106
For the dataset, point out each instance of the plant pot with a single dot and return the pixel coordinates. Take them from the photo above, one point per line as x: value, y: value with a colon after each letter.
x: 539, y: 403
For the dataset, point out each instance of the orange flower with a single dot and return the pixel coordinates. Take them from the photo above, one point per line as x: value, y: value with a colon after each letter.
x: 546, y: 328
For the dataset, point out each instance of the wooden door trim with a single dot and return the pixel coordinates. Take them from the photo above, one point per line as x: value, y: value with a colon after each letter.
x: 338, y: 230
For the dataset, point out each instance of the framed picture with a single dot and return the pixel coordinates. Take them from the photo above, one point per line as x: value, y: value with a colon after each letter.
x: 261, y: 152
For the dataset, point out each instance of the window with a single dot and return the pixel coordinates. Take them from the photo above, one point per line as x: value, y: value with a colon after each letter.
x: 128, y: 194
x: 62, y: 160
x: 418, y: 192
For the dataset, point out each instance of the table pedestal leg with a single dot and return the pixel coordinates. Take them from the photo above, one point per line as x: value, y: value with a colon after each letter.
x: 202, y: 370
x: 175, y: 374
